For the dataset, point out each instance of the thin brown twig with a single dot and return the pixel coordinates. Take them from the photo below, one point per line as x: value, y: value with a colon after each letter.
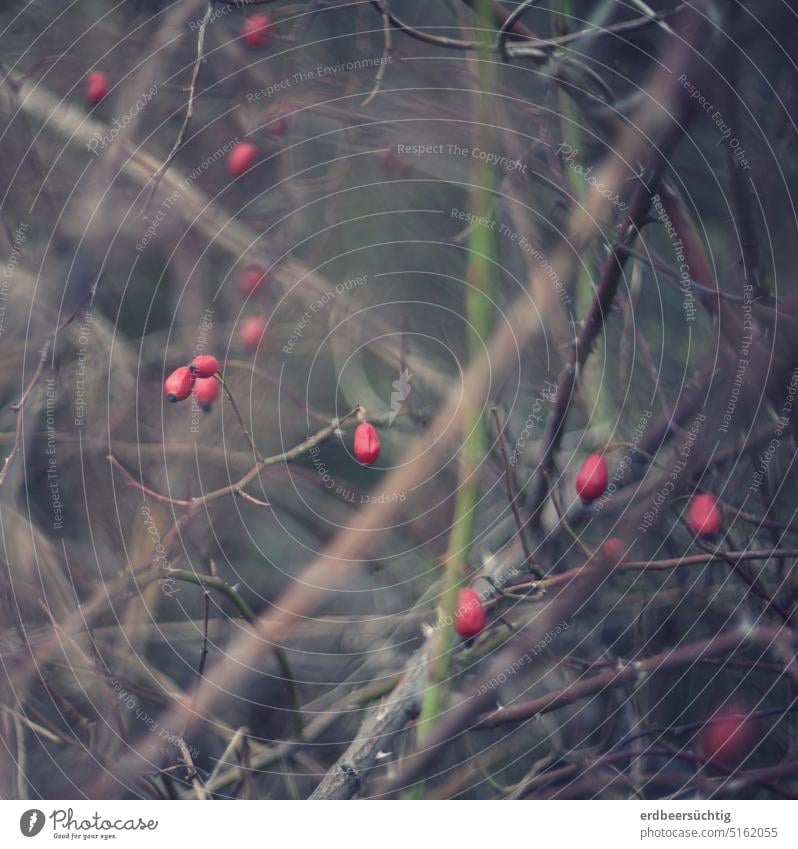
x: 155, y: 180
x: 513, y: 498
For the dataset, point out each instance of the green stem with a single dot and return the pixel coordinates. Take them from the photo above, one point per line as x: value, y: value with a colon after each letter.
x: 479, y: 272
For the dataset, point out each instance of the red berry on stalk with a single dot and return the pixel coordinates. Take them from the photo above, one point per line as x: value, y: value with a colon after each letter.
x: 252, y: 330
x: 252, y: 278
x: 177, y: 387
x: 97, y: 86
x: 705, y: 517
x: 257, y: 30
x: 727, y: 738
x: 469, y: 618
x: 205, y: 390
x: 241, y: 158
x: 367, y: 444
x: 593, y: 477
x: 204, y: 366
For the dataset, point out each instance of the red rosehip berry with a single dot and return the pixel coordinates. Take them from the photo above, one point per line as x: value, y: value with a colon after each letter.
x: 613, y: 549
x: 241, y: 158
x: 252, y: 330
x: 177, y: 387
x: 252, y: 278
x: 593, y: 477
x: 257, y: 30
x: 367, y: 444
x: 705, y: 517
x: 205, y: 391
x: 204, y: 366
x: 97, y: 86
x: 727, y: 738
x: 469, y: 618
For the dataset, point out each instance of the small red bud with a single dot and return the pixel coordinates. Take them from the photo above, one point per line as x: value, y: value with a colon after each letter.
x: 279, y: 127
x: 252, y: 278
x: 204, y: 366
x: 392, y: 163
x: 97, y: 86
x: 367, y: 444
x: 593, y: 477
x: 177, y: 387
x: 257, y: 30
x: 613, y: 549
x: 469, y: 618
x: 241, y: 158
x: 205, y: 390
x: 705, y: 517
x: 252, y: 330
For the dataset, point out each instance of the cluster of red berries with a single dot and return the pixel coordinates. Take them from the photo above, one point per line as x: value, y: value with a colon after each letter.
x: 201, y: 376
x: 704, y: 516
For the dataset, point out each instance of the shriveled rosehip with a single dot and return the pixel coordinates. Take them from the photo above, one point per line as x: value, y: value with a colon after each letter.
x: 705, y: 517
x: 257, y: 30
x: 728, y: 737
x: 367, y: 444
x: 593, y: 477
x: 279, y: 127
x: 204, y: 366
x: 392, y: 163
x: 469, y: 618
x: 252, y: 330
x: 177, y: 387
x: 252, y: 278
x: 205, y: 391
x: 241, y: 158
x: 97, y: 86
